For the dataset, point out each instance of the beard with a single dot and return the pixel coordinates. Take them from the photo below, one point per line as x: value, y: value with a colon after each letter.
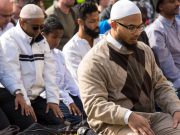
x: 127, y: 45
x: 92, y: 33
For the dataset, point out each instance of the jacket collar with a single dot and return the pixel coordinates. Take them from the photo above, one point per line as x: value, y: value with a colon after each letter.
x: 118, y: 46
x: 26, y: 37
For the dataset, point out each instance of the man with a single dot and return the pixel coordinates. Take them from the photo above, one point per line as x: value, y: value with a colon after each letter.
x: 102, y: 4
x: 12, y: 103
x: 164, y: 39
x: 105, y: 14
x: 86, y: 37
x: 17, y: 6
x: 29, y: 55
x: 63, y: 10
x: 6, y: 10
x: 119, y: 82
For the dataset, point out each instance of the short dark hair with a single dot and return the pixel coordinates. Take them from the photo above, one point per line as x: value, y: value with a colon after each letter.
x: 157, y: 5
x: 51, y: 23
x: 86, y: 8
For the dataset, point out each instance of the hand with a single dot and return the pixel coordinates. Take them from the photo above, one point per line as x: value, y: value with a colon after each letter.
x: 74, y: 109
x: 28, y: 110
x: 55, y: 108
x: 139, y: 124
x: 176, y: 119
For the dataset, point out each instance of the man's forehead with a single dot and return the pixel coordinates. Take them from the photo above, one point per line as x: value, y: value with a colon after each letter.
x: 35, y: 20
x: 94, y: 14
x: 6, y: 6
x: 131, y: 17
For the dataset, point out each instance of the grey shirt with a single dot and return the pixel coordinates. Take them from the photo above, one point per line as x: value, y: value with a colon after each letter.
x: 164, y: 38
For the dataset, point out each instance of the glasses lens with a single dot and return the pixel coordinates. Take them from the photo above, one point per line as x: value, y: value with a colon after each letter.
x: 37, y: 27
x: 132, y: 28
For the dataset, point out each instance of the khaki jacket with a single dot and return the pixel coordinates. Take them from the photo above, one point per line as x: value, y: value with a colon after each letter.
x: 113, y: 80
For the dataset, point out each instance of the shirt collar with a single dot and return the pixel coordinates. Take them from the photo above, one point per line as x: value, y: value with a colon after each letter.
x: 23, y: 34
x: 113, y: 41
x: 117, y: 45
x: 26, y: 37
x: 170, y: 23
x: 95, y: 41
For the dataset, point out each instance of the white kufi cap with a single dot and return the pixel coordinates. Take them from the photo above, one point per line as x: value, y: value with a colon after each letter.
x: 31, y: 11
x: 123, y: 8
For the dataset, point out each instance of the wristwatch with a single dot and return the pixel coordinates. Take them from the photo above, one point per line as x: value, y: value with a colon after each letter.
x: 18, y: 92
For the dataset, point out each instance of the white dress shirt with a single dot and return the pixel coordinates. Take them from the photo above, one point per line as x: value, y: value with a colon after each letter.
x: 64, y: 79
x: 74, y: 51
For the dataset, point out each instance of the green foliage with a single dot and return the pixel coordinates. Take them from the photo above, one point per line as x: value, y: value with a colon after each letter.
x: 48, y: 3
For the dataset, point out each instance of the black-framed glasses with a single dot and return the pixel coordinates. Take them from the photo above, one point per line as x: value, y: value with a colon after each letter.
x: 133, y: 28
x: 37, y: 27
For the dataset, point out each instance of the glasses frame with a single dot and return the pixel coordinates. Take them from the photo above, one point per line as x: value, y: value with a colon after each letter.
x: 34, y: 26
x: 37, y: 27
x: 132, y: 28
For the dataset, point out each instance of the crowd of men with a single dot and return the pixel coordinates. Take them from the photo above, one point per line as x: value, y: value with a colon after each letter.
x: 112, y: 63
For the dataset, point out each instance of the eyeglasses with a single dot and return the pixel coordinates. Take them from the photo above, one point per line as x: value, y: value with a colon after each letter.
x: 37, y: 27
x: 133, y: 28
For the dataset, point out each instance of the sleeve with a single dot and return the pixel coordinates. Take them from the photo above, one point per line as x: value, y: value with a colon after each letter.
x: 164, y: 94
x: 93, y: 83
x: 73, y: 59
x: 158, y: 42
x: 71, y: 86
x: 12, y: 82
x: 66, y: 98
x: 49, y: 74
x: 61, y: 79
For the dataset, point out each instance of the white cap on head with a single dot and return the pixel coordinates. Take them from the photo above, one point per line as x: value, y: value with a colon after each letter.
x: 123, y: 8
x: 31, y: 11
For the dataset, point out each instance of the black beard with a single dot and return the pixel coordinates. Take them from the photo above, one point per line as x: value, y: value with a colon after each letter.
x: 90, y: 32
x: 128, y: 46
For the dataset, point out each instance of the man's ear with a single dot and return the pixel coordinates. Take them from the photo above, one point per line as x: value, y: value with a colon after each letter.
x: 160, y: 7
x: 21, y: 22
x: 43, y: 33
x: 113, y: 24
x: 80, y: 21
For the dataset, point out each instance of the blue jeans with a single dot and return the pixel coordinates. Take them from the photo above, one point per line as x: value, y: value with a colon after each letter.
x: 70, y: 117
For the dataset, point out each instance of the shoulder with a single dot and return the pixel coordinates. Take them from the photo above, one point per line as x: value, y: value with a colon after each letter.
x: 50, y: 10
x: 9, y: 35
x: 157, y: 25
x: 99, y: 52
x: 72, y: 44
x: 147, y: 50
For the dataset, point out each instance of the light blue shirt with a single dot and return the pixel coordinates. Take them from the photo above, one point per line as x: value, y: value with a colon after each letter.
x: 164, y: 38
x: 64, y: 79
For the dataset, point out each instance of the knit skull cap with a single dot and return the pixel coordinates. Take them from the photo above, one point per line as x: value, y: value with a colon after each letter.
x: 31, y: 11
x: 123, y: 8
